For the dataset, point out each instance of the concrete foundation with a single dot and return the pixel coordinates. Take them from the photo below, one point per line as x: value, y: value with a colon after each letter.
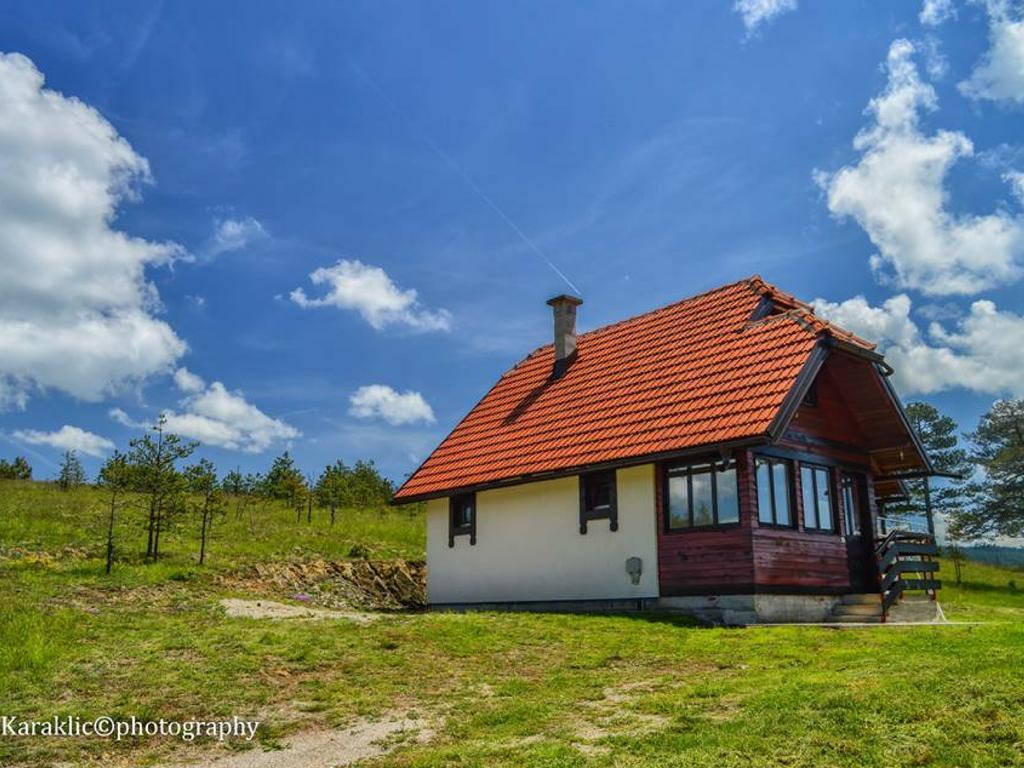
x: 737, y: 610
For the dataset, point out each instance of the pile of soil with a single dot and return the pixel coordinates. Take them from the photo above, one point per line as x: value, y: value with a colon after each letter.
x: 378, y: 585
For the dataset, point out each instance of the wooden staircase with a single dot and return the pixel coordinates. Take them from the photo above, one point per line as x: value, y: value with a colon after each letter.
x: 906, y: 563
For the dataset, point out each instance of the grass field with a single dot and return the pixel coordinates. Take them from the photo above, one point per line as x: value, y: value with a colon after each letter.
x: 496, y: 689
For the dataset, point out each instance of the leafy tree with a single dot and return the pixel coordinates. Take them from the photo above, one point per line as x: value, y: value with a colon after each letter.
x: 116, y: 477
x: 154, y: 458
x: 208, y: 503
x: 19, y: 469
x: 938, y: 434
x: 71, y: 474
x: 333, y: 488
x: 998, y: 496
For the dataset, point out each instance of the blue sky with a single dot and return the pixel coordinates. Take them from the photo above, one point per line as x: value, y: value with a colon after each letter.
x: 219, y: 155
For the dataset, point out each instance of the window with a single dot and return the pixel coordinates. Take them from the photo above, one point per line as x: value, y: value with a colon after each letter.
x: 850, y: 504
x: 462, y: 517
x: 701, y: 496
x: 774, y: 491
x: 598, y: 499
x: 817, y: 496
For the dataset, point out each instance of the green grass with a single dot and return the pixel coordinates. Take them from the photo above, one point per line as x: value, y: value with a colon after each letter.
x: 507, y: 689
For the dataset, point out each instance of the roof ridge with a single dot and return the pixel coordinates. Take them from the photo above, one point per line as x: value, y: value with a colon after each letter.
x: 607, y: 327
x: 665, y: 307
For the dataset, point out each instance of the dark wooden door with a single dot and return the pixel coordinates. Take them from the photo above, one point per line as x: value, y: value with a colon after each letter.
x: 859, y: 538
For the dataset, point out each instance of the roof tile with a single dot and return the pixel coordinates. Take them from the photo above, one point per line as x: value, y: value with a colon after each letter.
x: 693, y: 373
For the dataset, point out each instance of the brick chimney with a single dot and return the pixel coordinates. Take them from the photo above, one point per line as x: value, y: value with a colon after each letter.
x: 564, y: 310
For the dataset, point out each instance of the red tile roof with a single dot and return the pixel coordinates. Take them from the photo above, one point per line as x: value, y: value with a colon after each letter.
x: 696, y: 373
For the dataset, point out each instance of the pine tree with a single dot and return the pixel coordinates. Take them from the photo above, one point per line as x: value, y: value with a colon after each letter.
x: 154, y: 459
x: 71, y: 473
x: 938, y: 434
x: 208, y: 501
x: 19, y: 469
x: 233, y: 483
x: 333, y: 488
x: 997, y: 496
x: 285, y: 482
x: 116, y: 477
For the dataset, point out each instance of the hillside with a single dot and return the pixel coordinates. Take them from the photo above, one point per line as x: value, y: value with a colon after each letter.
x: 411, y: 688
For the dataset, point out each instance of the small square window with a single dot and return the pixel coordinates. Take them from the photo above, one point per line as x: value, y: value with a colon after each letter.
x: 462, y: 517
x: 598, y: 499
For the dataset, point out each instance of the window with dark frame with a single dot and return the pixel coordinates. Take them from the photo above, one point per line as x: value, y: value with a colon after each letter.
x: 462, y: 517
x: 598, y: 499
x: 774, y: 479
x: 701, y: 496
x: 851, y: 508
x: 816, y: 488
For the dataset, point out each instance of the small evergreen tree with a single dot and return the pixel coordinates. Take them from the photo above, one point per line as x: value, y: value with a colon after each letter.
x: 115, y: 476
x: 285, y: 482
x: 233, y: 483
x: 368, y: 487
x: 71, y: 474
x: 208, y: 501
x: 154, y: 459
x: 333, y: 488
x: 19, y: 469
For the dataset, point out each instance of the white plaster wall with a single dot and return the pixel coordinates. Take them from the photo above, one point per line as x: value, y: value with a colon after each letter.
x: 529, y: 546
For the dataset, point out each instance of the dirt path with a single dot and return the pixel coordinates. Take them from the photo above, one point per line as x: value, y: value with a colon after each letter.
x: 270, y: 609
x: 326, y: 749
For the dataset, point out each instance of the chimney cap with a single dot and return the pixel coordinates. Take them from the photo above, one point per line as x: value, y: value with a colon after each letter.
x: 565, y: 298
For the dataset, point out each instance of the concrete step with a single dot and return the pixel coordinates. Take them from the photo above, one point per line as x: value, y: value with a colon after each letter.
x: 858, y: 609
x: 916, y: 610
x: 855, y: 619
x: 855, y: 599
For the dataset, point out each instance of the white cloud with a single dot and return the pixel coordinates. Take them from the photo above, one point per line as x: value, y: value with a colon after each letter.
x: 758, y: 12
x: 67, y: 438
x: 382, y: 402
x: 982, y: 354
x: 217, y: 416
x: 896, y: 193
x: 233, y: 235
x: 999, y: 75
x: 935, y: 12
x: 76, y: 310
x: 121, y: 417
x: 188, y: 382
x: 372, y: 293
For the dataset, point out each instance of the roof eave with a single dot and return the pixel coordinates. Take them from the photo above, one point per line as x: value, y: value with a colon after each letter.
x: 707, y: 448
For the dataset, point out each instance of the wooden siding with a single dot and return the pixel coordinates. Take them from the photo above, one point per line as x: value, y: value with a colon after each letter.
x: 707, y: 561
x: 752, y: 558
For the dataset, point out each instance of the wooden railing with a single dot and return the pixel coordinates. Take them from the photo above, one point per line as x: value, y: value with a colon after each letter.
x: 906, y: 561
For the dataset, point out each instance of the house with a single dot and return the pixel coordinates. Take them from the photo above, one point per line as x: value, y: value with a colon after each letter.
x: 726, y: 455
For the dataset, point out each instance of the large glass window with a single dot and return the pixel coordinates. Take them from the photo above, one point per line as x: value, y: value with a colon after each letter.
x: 701, y: 496
x: 817, y: 497
x: 774, y: 479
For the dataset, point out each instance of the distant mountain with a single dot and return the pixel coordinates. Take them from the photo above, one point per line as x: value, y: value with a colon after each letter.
x: 995, y: 555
